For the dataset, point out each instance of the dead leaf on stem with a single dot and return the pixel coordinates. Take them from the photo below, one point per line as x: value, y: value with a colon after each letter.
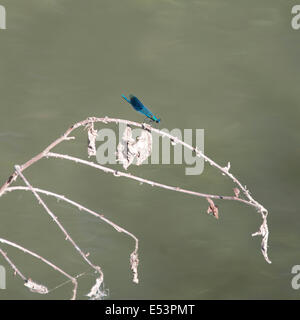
x: 236, y: 192
x: 92, y: 135
x: 212, y: 208
x: 35, y: 287
x: 129, y: 148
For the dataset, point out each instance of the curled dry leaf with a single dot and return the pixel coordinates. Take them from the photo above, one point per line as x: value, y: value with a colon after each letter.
x: 134, y: 262
x: 124, y: 155
x: 129, y: 149
x: 92, y: 135
x: 236, y: 192
x: 35, y: 287
x: 264, y: 232
x: 96, y: 293
x: 212, y: 208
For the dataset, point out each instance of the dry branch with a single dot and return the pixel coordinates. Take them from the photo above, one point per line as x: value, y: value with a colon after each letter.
x: 101, y: 217
x: 89, y: 125
x: 67, y: 235
x: 33, y: 286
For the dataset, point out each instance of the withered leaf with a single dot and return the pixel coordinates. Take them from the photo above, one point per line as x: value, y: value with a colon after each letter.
x: 236, y: 192
x: 92, y: 135
x: 212, y: 208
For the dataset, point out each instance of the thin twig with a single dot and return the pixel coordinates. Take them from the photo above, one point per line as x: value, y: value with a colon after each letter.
x: 16, y: 270
x: 118, y: 173
x: 263, y: 231
x: 82, y: 208
x: 10, y: 243
x: 68, y: 237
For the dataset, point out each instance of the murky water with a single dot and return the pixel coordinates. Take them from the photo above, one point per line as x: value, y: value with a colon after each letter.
x: 231, y: 68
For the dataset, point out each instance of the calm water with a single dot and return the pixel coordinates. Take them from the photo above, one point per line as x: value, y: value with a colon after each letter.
x: 231, y: 68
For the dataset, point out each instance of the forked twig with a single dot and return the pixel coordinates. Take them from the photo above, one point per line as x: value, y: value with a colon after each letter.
x: 250, y: 201
x: 33, y: 286
x: 67, y: 235
x: 82, y: 208
x: 89, y: 124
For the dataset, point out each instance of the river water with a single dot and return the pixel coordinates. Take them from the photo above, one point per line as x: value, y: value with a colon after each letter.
x: 228, y: 67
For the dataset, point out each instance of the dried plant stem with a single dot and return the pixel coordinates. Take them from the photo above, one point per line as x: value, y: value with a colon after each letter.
x: 89, y: 123
x: 199, y: 153
x: 73, y: 279
x: 118, y: 173
x: 67, y: 235
x: 264, y: 232
x: 81, y: 208
x: 4, y: 254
